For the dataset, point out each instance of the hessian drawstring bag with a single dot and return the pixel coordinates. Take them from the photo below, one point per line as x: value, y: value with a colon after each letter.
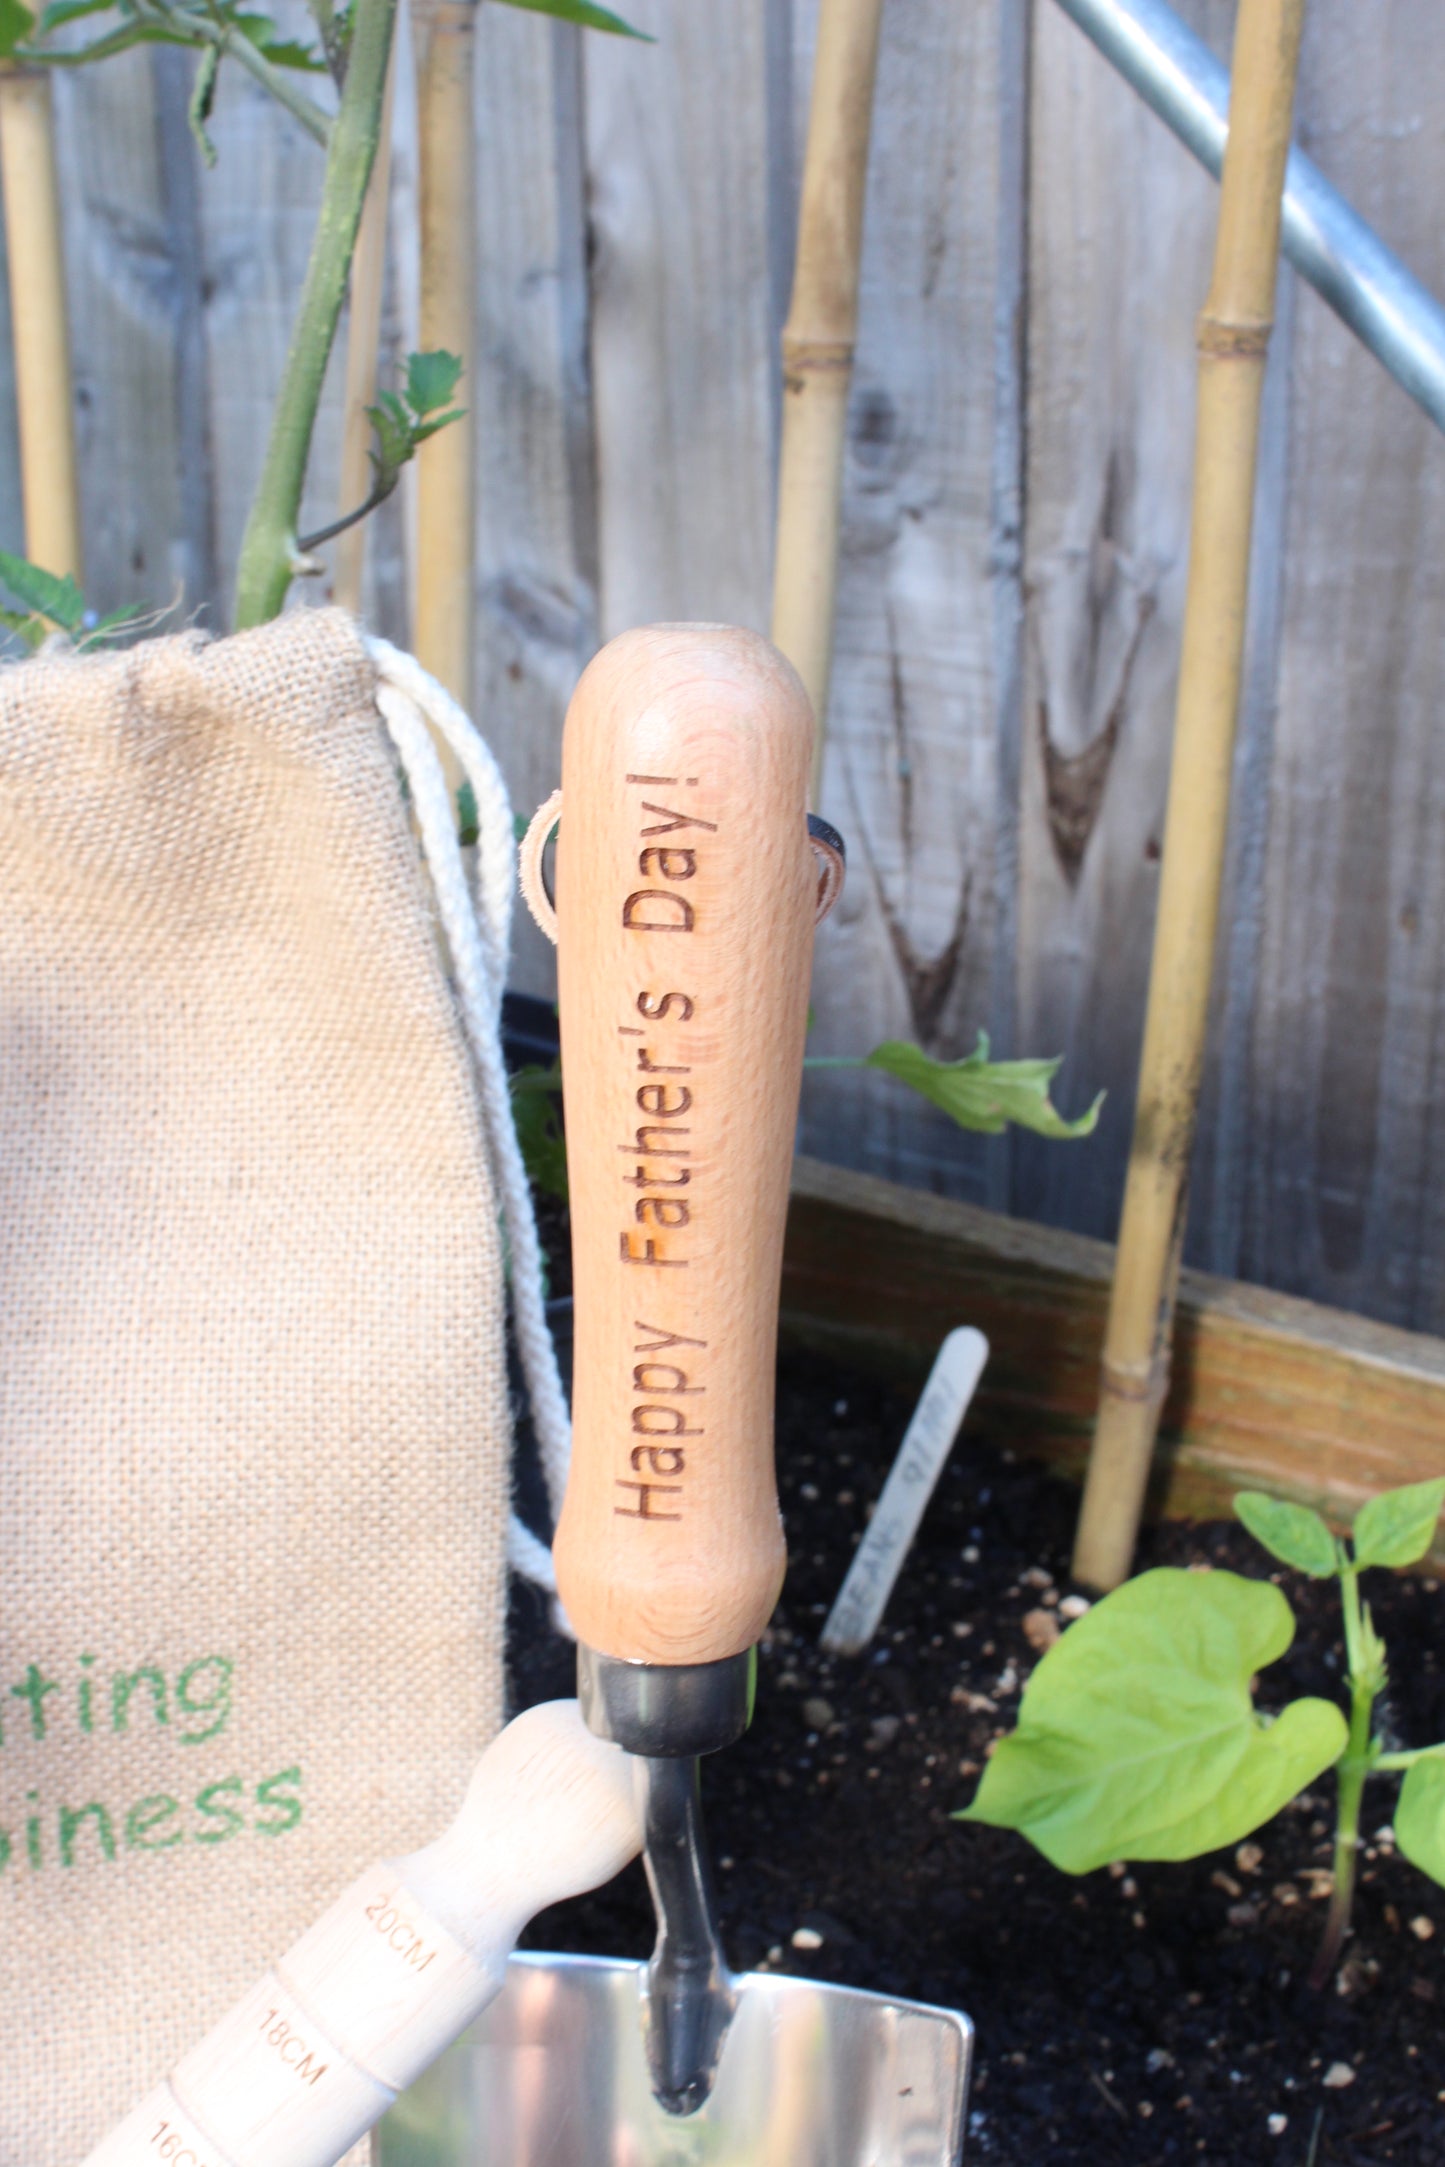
x: 254, y: 1431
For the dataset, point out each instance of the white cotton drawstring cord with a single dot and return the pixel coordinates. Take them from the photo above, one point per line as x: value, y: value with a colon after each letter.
x: 478, y: 935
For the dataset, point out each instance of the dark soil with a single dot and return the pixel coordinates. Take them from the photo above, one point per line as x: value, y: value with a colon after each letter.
x: 1149, y: 2015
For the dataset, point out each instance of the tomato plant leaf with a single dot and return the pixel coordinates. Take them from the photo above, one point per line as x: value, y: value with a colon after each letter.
x: 1396, y: 1528
x: 60, y: 12
x: 203, y: 98
x: 585, y: 13
x: 1137, y: 1737
x: 282, y: 52
x: 981, y: 1094
x: 421, y: 430
x: 26, y: 626
x: 1292, y: 1533
x: 540, y: 1139
x: 431, y: 379
x: 58, y: 599
x: 392, y: 446
x: 1420, y: 1816
x: 16, y: 24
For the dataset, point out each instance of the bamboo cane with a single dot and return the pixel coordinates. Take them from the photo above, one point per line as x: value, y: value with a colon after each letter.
x: 363, y: 338
x: 446, y: 544
x: 39, y: 327
x: 1233, y: 337
x: 818, y: 341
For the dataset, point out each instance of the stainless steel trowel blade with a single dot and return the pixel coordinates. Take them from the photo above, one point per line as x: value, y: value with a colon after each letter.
x: 555, y: 2075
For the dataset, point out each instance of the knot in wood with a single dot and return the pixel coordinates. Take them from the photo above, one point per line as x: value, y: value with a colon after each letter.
x: 1237, y: 341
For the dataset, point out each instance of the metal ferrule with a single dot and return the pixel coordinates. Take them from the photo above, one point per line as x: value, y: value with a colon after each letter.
x: 666, y: 1711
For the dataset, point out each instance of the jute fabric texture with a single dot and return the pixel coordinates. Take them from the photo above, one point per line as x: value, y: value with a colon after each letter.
x: 254, y: 1428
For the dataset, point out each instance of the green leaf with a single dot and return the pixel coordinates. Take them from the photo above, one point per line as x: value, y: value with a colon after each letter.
x: 421, y: 430
x: 1420, y: 1816
x: 31, y: 629
x: 281, y: 52
x: 290, y: 53
x: 123, y: 40
x: 16, y: 25
x: 982, y: 1094
x: 1137, y: 1737
x: 430, y: 380
x: 61, y: 12
x: 203, y: 97
x: 467, y: 828
x: 1291, y: 1533
x: 1396, y: 1528
x: 583, y: 12
x: 539, y: 1128
x: 392, y: 447
x: 58, y: 599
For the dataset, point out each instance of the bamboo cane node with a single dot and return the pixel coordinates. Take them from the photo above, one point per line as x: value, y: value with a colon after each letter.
x: 1120, y: 1381
x: 1236, y: 340
x: 804, y: 357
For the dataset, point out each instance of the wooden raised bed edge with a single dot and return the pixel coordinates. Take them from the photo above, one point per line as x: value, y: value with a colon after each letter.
x: 1268, y: 1392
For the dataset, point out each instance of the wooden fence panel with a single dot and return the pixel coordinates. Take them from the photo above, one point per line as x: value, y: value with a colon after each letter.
x: 1008, y: 626
x: 1348, y: 1121
x: 536, y: 513
x: 684, y: 342
x: 911, y: 775
x: 121, y: 267
x: 258, y: 212
x: 1121, y: 225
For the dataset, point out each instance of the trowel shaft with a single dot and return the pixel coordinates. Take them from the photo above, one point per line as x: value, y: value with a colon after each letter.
x: 690, y: 1996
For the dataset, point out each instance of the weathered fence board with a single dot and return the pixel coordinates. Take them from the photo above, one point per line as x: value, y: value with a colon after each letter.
x: 536, y: 512
x: 1346, y: 1082
x: 911, y: 774
x: 258, y: 212
x: 1267, y: 1392
x: 683, y: 337
x: 1016, y: 519
x: 1121, y: 225
x: 121, y: 262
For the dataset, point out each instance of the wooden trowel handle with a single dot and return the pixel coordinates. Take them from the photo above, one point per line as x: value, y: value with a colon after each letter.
x: 685, y: 904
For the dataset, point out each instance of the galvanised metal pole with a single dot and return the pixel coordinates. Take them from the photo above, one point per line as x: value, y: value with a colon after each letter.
x: 1327, y: 241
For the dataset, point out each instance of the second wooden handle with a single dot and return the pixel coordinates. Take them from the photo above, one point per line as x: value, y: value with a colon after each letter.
x: 685, y: 903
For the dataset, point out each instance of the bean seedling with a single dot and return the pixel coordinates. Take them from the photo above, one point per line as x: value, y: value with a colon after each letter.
x: 1138, y: 1737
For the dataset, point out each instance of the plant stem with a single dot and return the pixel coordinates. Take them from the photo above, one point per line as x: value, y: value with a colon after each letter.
x: 1354, y: 1765
x: 445, y: 609
x: 203, y: 30
x: 363, y: 343
x: 308, y: 542
x: 268, y: 551
x: 237, y: 46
